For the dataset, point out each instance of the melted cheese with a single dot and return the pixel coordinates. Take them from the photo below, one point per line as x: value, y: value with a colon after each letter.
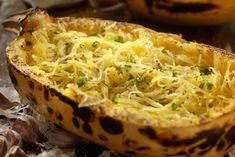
x: 132, y: 72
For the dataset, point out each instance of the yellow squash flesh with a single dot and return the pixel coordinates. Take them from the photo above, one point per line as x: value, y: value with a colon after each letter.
x: 113, y: 126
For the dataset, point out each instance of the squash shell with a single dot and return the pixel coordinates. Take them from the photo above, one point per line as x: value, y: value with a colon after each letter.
x: 116, y: 128
x: 185, y: 12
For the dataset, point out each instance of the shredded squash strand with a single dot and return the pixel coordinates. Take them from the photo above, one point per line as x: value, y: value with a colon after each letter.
x: 131, y: 72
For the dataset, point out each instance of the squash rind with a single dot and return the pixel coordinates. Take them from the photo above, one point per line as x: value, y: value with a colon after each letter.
x: 112, y: 127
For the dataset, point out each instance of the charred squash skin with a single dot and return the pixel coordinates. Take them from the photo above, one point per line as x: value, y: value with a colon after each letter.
x: 183, y: 12
x: 180, y: 7
x: 114, y: 128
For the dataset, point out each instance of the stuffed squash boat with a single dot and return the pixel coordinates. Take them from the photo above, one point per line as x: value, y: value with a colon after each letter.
x: 126, y: 87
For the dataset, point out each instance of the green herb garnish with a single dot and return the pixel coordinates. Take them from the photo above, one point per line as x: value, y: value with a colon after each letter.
x: 174, y: 106
x: 109, y: 37
x: 174, y: 74
x: 82, y: 81
x: 201, y: 85
x: 113, y: 37
x: 56, y: 32
x: 119, y: 39
x: 81, y: 45
x: 164, y: 51
x: 136, y: 79
x: 130, y: 59
x: 95, y: 44
x: 209, y: 85
x: 102, y: 30
x: 131, y: 77
x: 127, y: 66
x: 205, y: 71
x: 115, y: 97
